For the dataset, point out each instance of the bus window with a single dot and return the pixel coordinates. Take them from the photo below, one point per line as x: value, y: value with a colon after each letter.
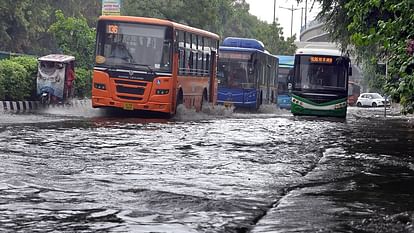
x: 129, y: 44
x: 316, y: 75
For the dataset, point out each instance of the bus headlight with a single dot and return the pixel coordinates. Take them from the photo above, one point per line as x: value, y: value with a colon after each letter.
x: 99, y: 86
x: 162, y: 91
x: 340, y: 105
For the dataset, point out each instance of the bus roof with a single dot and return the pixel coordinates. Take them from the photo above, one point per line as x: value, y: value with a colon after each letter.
x: 316, y: 51
x: 162, y: 22
x: 238, y: 49
x: 286, y: 61
x: 244, y: 50
x: 243, y: 43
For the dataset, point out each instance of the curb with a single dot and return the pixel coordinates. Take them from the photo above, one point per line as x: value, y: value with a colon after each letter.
x: 27, y: 106
x: 19, y: 106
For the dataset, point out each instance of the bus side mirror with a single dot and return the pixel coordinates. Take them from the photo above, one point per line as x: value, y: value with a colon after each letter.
x: 350, y: 71
x: 289, y: 79
x: 251, y: 70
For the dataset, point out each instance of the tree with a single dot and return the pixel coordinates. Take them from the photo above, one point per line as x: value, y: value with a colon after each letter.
x: 272, y: 36
x: 74, y: 37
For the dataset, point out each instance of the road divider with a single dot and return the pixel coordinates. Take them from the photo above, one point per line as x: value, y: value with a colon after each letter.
x: 29, y: 106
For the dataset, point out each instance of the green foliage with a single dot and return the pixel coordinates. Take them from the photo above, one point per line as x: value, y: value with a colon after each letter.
x: 2, y: 86
x: 75, y: 38
x: 15, y: 83
x: 24, y: 23
x: 271, y: 35
x: 30, y: 65
x: 83, y: 83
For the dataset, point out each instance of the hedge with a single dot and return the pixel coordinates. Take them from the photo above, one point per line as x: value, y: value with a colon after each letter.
x: 30, y: 64
x: 15, y: 81
x: 83, y: 82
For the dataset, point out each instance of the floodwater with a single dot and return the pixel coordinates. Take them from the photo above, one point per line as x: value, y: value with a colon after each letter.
x: 67, y: 170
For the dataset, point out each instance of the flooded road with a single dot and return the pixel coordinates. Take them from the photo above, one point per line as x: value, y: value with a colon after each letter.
x: 219, y: 172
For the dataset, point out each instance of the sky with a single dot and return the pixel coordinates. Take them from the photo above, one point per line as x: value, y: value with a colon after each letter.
x: 263, y: 9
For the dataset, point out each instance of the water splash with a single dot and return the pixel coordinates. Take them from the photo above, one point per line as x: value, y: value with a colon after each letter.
x: 77, y: 108
x: 208, y: 112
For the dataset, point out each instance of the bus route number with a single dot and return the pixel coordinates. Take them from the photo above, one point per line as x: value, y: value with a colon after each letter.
x: 113, y: 29
x: 327, y: 60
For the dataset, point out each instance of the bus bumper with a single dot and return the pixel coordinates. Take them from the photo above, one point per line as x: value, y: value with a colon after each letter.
x: 102, y: 102
x: 299, y: 110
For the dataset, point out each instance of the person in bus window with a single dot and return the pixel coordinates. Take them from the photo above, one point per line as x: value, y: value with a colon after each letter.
x: 120, y: 51
x: 235, y: 78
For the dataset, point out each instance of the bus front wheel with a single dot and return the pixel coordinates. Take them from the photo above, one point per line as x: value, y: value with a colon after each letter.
x: 179, y: 100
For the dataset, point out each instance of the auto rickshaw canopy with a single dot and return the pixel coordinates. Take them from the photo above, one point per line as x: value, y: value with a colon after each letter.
x: 61, y: 58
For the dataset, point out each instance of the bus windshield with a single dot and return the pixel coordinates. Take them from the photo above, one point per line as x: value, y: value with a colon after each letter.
x: 321, y: 73
x: 134, y: 46
x: 284, y: 73
x: 233, y: 70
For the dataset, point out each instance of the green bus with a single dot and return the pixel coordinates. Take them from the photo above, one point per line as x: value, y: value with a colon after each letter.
x: 319, y: 85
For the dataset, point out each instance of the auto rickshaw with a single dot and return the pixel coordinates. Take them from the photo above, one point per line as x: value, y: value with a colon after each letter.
x: 55, y: 79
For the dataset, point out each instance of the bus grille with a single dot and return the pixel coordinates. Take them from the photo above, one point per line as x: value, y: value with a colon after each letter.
x: 318, y: 99
x: 141, y: 84
x: 129, y: 97
x: 130, y: 90
x: 321, y: 98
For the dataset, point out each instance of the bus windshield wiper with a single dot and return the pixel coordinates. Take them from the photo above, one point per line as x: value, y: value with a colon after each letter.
x: 141, y: 65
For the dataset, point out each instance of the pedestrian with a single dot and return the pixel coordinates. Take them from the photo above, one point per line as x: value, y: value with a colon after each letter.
x: 70, y: 78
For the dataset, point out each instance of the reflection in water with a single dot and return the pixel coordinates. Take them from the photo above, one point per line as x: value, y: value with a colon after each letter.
x: 213, y: 171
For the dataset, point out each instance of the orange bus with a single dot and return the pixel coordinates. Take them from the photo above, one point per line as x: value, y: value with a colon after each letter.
x: 153, y: 65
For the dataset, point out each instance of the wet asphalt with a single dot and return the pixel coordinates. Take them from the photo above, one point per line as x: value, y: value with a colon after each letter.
x: 79, y: 170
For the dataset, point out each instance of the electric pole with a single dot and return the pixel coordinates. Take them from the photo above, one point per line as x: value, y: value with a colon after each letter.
x: 301, y: 18
x: 306, y: 12
x: 291, y: 19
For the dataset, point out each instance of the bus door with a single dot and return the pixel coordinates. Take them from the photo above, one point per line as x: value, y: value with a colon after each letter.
x: 268, y: 79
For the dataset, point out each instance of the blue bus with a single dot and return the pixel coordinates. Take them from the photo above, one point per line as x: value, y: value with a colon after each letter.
x: 247, y: 74
x: 285, y: 71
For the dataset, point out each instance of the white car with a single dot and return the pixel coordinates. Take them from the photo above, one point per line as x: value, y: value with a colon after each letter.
x: 371, y: 100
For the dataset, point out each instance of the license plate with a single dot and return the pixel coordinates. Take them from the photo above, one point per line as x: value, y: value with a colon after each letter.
x: 128, y: 106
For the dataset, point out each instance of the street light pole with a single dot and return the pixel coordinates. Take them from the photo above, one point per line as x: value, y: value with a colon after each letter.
x: 301, y: 18
x: 274, y: 12
x: 291, y: 19
x: 306, y: 12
